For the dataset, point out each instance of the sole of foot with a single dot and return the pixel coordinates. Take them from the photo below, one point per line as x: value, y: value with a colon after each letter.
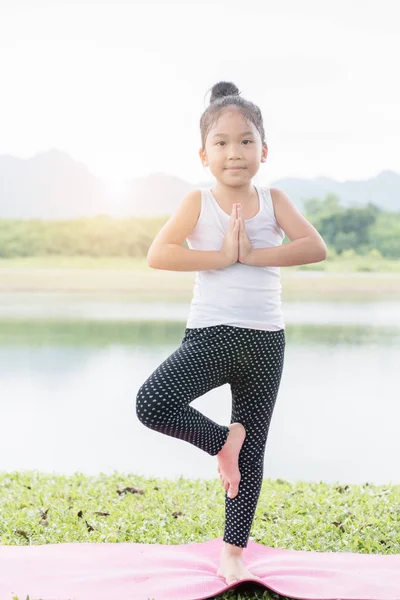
x: 228, y: 459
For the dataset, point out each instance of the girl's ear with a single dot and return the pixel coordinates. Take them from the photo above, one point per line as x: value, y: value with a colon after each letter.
x: 203, y: 157
x: 264, y: 153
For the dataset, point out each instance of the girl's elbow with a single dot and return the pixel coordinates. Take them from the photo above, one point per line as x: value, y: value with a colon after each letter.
x: 152, y: 260
x: 322, y: 252
x: 318, y: 250
x: 149, y: 260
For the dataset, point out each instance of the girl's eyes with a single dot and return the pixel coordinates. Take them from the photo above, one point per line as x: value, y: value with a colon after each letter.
x: 243, y: 140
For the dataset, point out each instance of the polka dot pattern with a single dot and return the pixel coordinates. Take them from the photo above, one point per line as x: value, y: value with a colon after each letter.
x: 251, y: 361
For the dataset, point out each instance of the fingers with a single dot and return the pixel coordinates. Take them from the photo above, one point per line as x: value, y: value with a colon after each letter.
x: 236, y: 228
x: 232, y: 222
x: 236, y: 216
x: 240, y: 218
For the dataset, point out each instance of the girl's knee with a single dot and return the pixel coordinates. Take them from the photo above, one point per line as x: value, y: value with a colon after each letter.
x: 143, y: 405
x: 152, y: 404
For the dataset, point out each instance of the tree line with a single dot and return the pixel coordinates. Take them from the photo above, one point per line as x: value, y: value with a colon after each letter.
x: 361, y: 230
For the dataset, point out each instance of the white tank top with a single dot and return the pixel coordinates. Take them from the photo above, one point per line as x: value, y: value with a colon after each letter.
x: 239, y: 295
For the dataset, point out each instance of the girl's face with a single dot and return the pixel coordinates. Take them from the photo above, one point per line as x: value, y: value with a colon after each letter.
x: 233, y: 142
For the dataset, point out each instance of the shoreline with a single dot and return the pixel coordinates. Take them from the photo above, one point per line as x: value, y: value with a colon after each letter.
x: 150, y: 285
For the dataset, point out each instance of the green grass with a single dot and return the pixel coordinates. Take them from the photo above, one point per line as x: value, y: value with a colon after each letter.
x: 74, y: 262
x: 346, y: 264
x: 38, y: 508
x: 86, y: 333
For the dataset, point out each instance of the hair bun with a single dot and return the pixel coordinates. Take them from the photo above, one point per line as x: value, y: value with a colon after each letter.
x: 223, y: 88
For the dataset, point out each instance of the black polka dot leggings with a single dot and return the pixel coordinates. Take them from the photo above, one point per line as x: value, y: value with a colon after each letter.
x: 251, y: 361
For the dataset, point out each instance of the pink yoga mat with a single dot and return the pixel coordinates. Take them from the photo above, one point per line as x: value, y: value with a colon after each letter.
x: 132, y: 571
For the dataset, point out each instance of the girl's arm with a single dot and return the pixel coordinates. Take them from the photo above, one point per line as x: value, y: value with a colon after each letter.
x: 167, y: 251
x: 306, y: 245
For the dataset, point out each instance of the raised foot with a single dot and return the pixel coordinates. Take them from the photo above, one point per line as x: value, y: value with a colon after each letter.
x: 228, y: 459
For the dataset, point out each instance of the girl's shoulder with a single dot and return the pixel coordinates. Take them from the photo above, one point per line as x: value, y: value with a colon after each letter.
x: 276, y: 193
x: 279, y: 199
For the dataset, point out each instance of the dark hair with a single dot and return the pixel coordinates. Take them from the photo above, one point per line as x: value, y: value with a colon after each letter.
x: 223, y: 94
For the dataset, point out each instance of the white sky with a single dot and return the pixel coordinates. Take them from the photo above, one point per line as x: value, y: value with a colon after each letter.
x: 122, y: 87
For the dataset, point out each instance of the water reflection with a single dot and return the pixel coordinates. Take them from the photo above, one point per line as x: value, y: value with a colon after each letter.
x: 68, y: 393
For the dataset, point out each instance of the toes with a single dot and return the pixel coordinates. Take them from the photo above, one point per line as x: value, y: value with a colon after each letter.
x: 233, y: 491
x: 231, y: 488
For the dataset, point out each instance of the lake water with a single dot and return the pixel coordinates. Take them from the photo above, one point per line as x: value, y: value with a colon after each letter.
x: 70, y: 372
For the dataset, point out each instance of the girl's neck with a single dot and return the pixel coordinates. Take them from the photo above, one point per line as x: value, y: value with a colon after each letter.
x: 242, y: 193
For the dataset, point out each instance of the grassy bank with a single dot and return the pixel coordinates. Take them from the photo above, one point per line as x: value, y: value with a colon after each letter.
x: 135, y: 281
x: 40, y: 508
x: 346, y: 264
x: 86, y: 333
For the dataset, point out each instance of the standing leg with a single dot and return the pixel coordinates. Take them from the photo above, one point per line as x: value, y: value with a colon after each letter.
x: 254, y: 391
x: 201, y: 363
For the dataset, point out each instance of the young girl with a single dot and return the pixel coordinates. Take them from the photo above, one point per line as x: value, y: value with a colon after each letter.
x: 235, y: 331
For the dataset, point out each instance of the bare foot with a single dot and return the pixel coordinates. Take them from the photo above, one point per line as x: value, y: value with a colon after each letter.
x: 228, y: 456
x: 232, y: 568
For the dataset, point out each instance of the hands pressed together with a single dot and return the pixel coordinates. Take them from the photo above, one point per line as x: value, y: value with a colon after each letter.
x: 236, y: 245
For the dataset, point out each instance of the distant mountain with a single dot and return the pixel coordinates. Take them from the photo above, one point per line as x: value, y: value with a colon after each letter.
x: 49, y: 185
x: 52, y: 185
x: 156, y: 194
x: 382, y: 190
